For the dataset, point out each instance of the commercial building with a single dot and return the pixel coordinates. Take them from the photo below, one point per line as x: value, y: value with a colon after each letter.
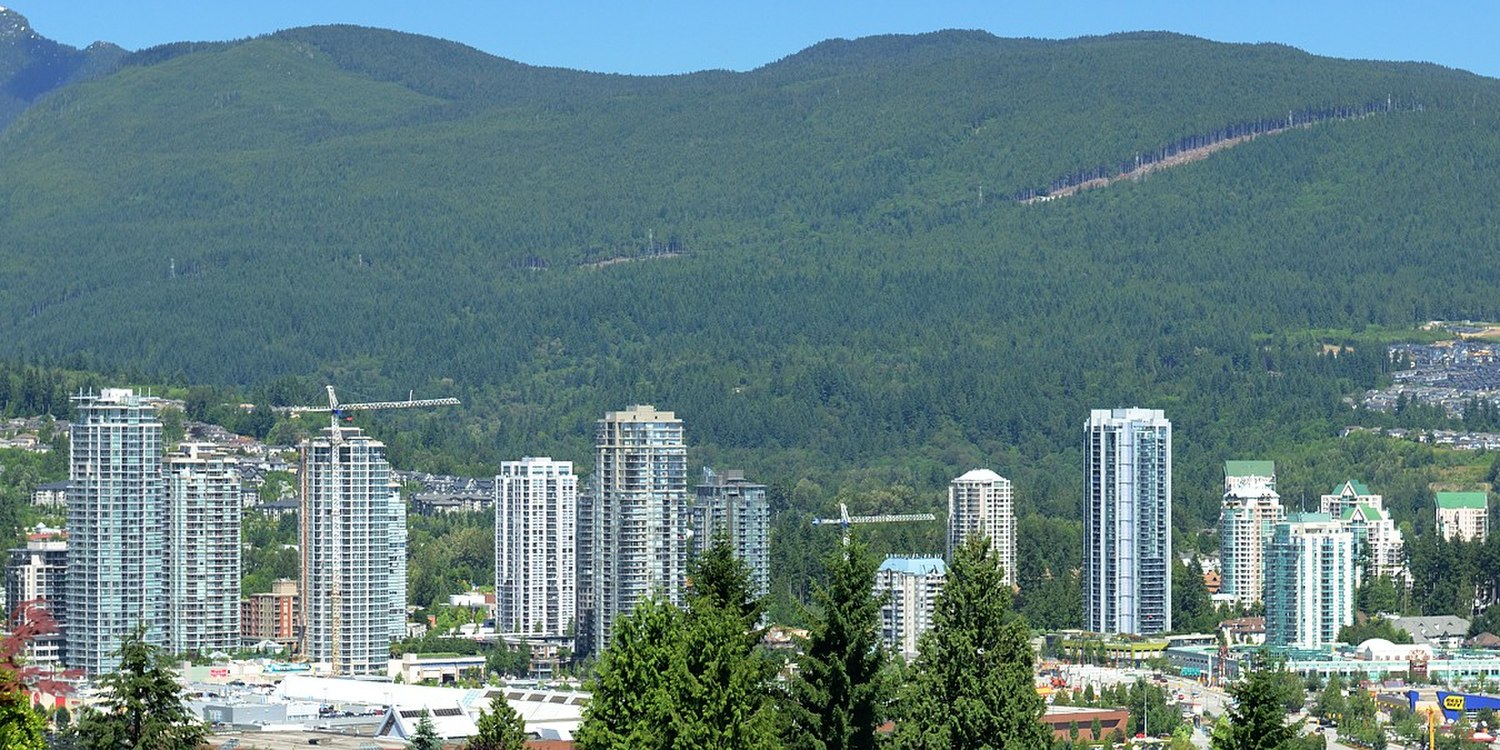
x: 1463, y: 515
x: 908, y: 589
x: 352, y: 546
x: 728, y: 504
x: 271, y: 616
x: 536, y: 548
x: 202, y: 527
x: 115, y: 545
x: 1309, y: 581
x: 1127, y: 573
x: 639, y: 514
x: 981, y: 502
x: 1251, y: 507
x: 39, y: 571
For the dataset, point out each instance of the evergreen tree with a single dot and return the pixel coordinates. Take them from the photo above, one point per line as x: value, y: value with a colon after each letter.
x: 1331, y: 701
x: 426, y: 736
x: 972, y: 686
x: 687, y: 679
x: 837, y: 695
x: 500, y: 728
x: 1192, y: 608
x: 633, y: 700
x: 143, y: 706
x: 724, y: 702
x: 1257, y: 721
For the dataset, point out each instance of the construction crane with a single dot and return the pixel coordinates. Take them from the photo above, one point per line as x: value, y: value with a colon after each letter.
x: 844, y: 520
x: 335, y: 411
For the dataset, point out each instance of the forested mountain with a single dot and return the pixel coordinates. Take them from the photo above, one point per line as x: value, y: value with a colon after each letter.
x: 834, y: 288
x: 32, y: 65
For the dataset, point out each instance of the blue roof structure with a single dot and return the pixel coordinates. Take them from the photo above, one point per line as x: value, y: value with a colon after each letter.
x: 916, y: 566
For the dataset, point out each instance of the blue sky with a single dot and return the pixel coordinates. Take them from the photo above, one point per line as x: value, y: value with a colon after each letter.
x: 675, y: 36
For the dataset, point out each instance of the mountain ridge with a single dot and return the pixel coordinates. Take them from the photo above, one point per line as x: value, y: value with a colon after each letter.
x: 32, y: 65
x: 851, y: 298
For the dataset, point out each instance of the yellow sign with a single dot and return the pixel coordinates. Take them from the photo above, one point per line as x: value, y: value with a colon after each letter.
x: 1453, y: 702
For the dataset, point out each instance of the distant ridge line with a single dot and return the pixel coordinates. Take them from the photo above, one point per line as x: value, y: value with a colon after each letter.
x: 1196, y: 147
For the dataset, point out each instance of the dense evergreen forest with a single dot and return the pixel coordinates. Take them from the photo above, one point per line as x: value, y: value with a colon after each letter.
x: 821, y: 288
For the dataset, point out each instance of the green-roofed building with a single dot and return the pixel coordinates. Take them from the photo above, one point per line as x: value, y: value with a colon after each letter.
x: 1348, y: 495
x: 1250, y: 469
x: 1463, y: 515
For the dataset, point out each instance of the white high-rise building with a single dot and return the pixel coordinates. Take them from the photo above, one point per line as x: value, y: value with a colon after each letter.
x: 352, y: 532
x: 1127, y: 525
x: 1251, y: 508
x: 39, y: 571
x: 908, y: 589
x: 981, y: 502
x: 1309, y: 581
x: 115, y: 526
x: 202, y: 527
x: 729, y: 504
x: 640, y: 514
x: 536, y: 574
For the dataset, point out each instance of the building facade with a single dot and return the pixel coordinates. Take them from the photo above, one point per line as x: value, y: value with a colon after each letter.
x: 1463, y: 515
x: 271, y: 616
x: 639, y: 514
x: 908, y: 589
x: 202, y: 527
x: 39, y: 571
x: 1127, y: 573
x: 1250, y: 509
x: 1309, y: 581
x: 115, y: 544
x: 351, y: 534
x: 1379, y: 549
x: 726, y: 503
x: 1347, y: 496
x: 536, y: 548
x: 981, y: 502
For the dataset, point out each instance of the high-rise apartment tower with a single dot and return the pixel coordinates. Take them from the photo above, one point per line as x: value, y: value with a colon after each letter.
x: 1127, y: 525
x: 202, y: 528
x: 640, y: 511
x: 727, y: 504
x: 980, y: 502
x: 1251, y: 508
x: 115, y: 525
x: 352, y: 548
x: 1309, y: 581
x: 536, y: 537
